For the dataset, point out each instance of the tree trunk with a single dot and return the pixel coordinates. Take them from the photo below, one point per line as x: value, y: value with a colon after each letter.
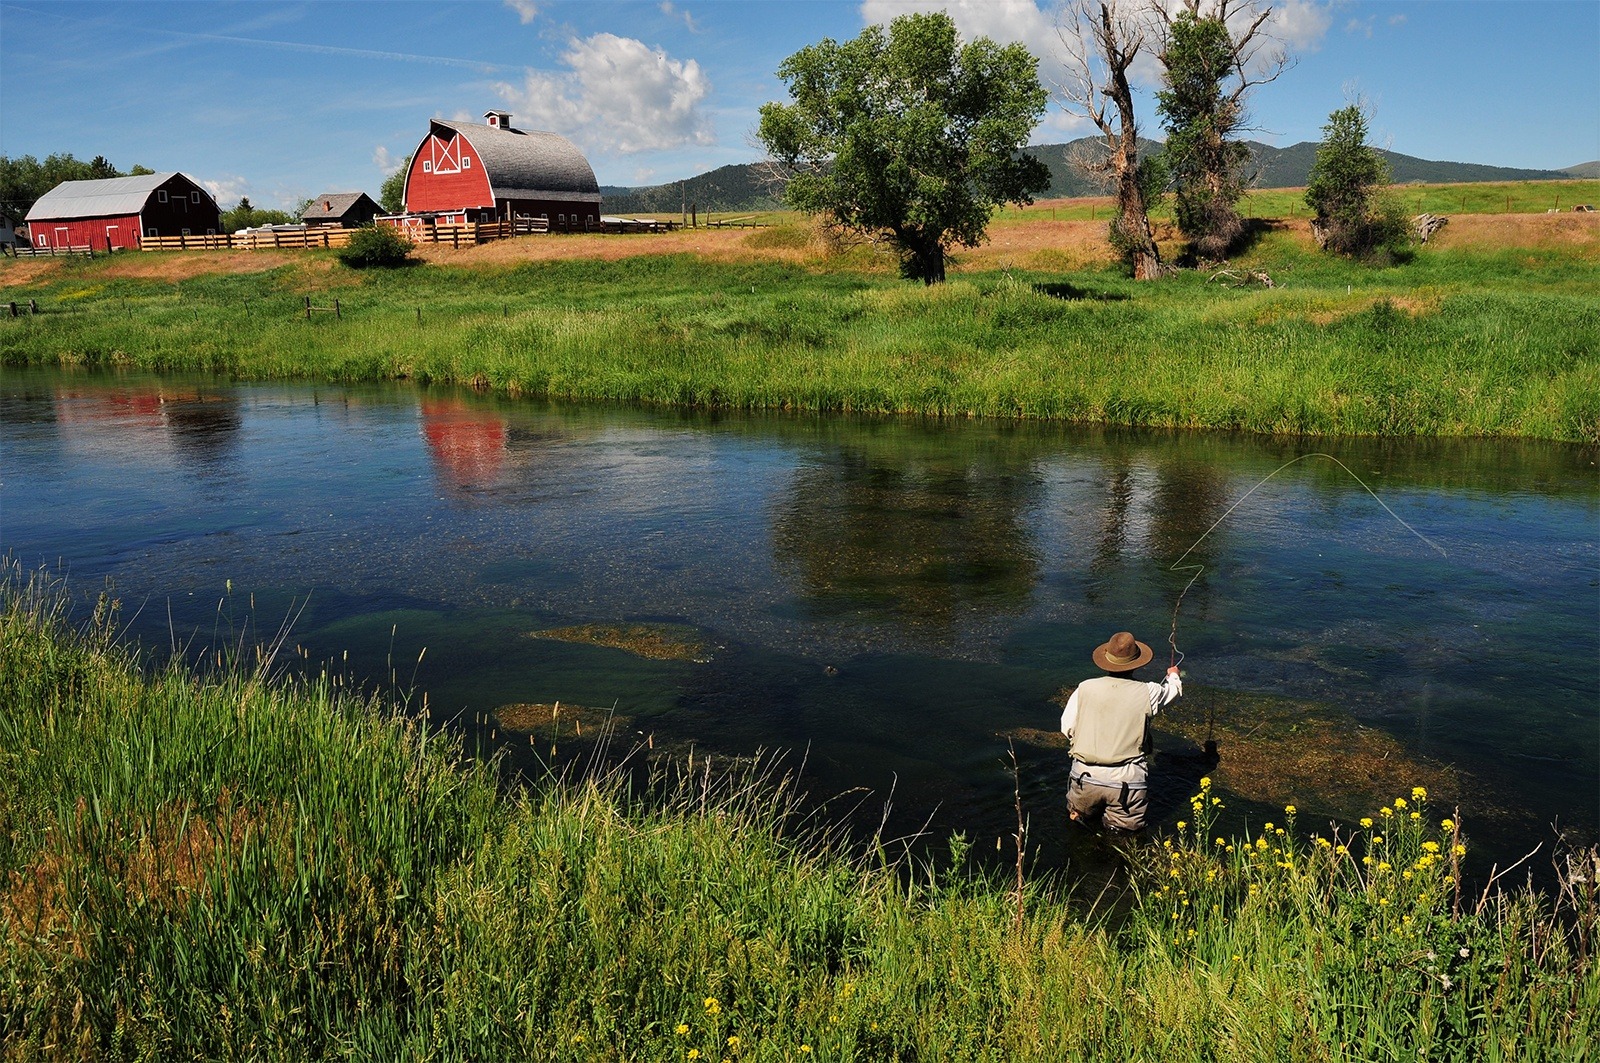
x: 1133, y: 233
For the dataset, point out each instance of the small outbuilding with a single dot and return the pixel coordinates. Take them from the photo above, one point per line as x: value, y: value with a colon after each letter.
x: 116, y: 212
x: 346, y: 210
x: 465, y: 172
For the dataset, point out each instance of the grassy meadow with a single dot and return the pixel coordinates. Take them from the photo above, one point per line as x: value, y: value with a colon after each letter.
x: 1492, y: 329
x: 234, y: 864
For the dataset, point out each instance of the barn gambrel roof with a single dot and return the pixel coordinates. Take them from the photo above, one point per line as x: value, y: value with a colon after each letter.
x: 106, y: 197
x: 527, y: 163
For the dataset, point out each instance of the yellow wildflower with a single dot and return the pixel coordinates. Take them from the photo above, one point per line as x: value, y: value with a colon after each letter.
x: 694, y: 1053
x: 1459, y: 850
x: 1419, y: 793
x: 1430, y: 847
x: 1399, y: 802
x: 733, y: 1042
x: 1448, y: 824
x: 1366, y: 821
x: 1205, y: 782
x: 683, y: 1028
x: 1182, y: 824
x: 805, y: 1049
x: 1386, y: 811
x: 1289, y: 809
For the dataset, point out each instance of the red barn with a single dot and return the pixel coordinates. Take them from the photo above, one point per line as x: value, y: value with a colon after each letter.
x: 117, y: 211
x: 464, y: 172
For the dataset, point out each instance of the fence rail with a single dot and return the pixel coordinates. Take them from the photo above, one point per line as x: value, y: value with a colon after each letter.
x: 320, y: 236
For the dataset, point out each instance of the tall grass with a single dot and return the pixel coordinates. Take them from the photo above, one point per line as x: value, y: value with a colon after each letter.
x: 234, y: 866
x: 1452, y: 344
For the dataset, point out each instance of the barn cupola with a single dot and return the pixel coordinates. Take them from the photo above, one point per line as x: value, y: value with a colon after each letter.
x: 498, y: 119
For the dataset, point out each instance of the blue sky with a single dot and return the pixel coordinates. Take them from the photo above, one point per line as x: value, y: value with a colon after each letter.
x: 280, y: 101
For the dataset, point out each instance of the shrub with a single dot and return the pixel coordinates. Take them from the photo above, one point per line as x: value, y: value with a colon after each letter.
x: 376, y: 245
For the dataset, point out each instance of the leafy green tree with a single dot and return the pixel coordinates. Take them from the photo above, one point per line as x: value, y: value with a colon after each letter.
x: 909, y: 135
x: 392, y: 195
x: 1347, y: 192
x: 1213, y: 53
x: 246, y: 216
x: 1206, y: 165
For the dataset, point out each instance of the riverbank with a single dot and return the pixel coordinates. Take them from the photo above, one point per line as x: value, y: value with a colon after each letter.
x: 233, y: 865
x: 1491, y: 330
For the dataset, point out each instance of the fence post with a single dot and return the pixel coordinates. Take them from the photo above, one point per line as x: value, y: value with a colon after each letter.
x: 13, y: 308
x: 336, y: 308
x: 308, y: 308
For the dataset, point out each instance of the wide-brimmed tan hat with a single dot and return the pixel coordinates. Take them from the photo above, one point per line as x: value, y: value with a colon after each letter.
x: 1122, y: 653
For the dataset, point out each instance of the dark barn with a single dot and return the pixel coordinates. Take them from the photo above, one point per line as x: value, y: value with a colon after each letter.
x: 348, y: 210
x: 120, y: 211
x: 464, y: 172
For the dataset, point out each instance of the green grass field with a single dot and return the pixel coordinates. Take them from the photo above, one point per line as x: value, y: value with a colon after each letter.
x: 1496, y: 337
x: 228, y: 865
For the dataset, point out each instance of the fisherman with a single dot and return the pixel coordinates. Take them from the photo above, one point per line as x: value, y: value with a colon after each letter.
x: 1107, y: 724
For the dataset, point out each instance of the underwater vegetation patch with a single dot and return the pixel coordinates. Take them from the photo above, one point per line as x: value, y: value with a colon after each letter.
x: 656, y: 642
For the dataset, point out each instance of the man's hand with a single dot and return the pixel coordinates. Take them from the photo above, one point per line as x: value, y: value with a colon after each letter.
x: 1173, y: 670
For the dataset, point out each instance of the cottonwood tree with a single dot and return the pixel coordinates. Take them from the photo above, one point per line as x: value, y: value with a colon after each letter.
x: 1346, y: 191
x: 392, y: 193
x: 1101, y: 39
x: 1213, y: 53
x: 909, y: 135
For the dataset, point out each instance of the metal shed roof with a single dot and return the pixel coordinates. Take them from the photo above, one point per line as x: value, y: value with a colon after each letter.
x: 529, y: 164
x: 106, y: 197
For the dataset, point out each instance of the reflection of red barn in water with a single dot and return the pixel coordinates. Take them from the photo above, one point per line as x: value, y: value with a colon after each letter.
x: 468, y: 445
x: 149, y: 422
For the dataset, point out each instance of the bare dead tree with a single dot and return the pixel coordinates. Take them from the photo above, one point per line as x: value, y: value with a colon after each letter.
x: 1100, y: 40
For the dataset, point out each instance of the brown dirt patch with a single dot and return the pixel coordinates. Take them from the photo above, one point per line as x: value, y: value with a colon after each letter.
x: 656, y: 643
x: 165, y: 266
x: 1497, y: 232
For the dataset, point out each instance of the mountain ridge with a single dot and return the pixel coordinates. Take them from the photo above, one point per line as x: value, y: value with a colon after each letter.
x: 738, y: 186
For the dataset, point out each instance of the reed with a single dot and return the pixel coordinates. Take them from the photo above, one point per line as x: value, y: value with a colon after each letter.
x: 235, y: 864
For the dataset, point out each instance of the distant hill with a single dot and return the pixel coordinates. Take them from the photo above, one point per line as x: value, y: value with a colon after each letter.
x: 738, y: 187
x: 726, y: 188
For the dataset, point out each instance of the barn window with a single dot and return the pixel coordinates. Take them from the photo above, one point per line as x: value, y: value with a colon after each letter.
x: 194, y: 197
x: 161, y: 195
x: 466, y: 162
x: 151, y: 231
x: 427, y: 166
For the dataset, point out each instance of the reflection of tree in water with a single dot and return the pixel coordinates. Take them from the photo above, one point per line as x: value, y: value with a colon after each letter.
x: 1178, y: 502
x: 915, y: 543
x: 205, y: 427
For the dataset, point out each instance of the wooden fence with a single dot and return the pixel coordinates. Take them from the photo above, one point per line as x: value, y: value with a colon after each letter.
x: 317, y: 236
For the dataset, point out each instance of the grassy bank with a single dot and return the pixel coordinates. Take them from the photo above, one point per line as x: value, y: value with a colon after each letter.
x: 1462, y: 341
x: 236, y: 867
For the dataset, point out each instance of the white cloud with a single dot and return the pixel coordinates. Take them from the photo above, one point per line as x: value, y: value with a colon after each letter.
x: 1301, y: 24
x: 620, y: 96
x: 526, y: 10
x: 1362, y: 27
x: 386, y: 160
x: 1005, y: 21
x: 672, y: 11
x: 227, y: 191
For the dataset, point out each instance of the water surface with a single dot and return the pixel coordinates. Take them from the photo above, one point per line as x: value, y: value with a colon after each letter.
x: 897, y: 603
